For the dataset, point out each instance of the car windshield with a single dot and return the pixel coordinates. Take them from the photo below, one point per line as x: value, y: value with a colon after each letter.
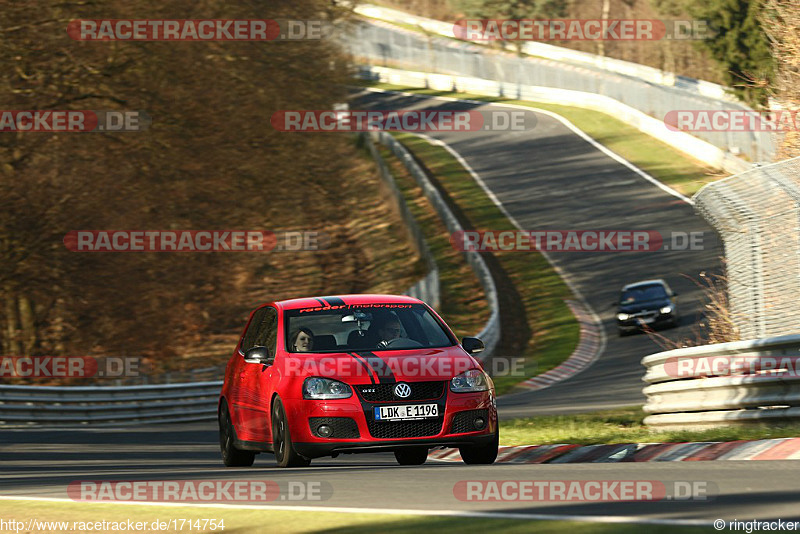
x: 370, y: 327
x: 642, y: 294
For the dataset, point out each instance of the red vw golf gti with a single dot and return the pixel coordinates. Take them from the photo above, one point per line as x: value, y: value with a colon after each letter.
x: 317, y: 377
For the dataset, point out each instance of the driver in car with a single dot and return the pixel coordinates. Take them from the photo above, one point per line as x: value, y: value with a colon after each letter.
x: 391, y: 330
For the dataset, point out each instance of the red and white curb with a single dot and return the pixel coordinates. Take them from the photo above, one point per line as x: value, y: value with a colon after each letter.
x: 588, y: 349
x: 763, y: 449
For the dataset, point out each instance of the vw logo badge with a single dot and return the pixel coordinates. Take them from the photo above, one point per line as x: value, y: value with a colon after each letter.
x: 402, y: 390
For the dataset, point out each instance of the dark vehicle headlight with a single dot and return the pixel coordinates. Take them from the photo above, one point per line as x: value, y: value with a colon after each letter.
x: 666, y: 309
x: 470, y: 381
x: 623, y: 316
x: 325, y: 388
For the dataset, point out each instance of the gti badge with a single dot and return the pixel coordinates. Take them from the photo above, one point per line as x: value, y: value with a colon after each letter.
x: 402, y: 390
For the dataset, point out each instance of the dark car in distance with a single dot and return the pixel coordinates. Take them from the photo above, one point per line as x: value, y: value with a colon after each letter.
x: 649, y: 303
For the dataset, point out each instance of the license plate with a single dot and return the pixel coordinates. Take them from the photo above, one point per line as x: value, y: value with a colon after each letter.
x: 646, y: 320
x: 406, y: 412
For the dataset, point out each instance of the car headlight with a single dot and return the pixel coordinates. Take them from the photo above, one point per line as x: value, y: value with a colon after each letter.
x: 623, y: 316
x: 469, y: 382
x: 325, y: 388
x: 666, y: 309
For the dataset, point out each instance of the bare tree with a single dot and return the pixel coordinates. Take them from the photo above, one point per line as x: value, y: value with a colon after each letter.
x: 782, y: 24
x: 210, y: 160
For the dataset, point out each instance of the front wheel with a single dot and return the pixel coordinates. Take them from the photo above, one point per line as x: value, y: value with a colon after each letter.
x: 411, y: 456
x: 285, y: 454
x: 231, y: 456
x: 481, y: 454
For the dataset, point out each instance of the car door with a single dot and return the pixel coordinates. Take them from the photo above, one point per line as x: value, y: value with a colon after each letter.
x: 258, y: 376
x: 247, y: 399
x: 265, y: 377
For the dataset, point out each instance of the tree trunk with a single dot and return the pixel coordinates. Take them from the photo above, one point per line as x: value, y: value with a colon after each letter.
x: 601, y: 44
x: 11, y: 345
x: 27, y: 323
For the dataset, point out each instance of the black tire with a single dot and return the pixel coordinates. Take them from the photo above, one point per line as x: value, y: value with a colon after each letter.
x: 481, y: 455
x: 411, y: 455
x: 231, y: 456
x: 285, y: 454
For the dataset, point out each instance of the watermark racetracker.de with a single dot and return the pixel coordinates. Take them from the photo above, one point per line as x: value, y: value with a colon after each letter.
x: 188, y: 491
x: 581, y: 30
x: 195, y: 240
x: 757, y: 366
x: 70, y: 367
x: 403, y: 120
x: 198, y: 29
x: 76, y: 121
x: 353, y: 365
x: 584, y: 490
x: 732, y: 120
x: 574, y: 240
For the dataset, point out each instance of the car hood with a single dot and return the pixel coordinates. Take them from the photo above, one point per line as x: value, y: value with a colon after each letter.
x: 373, y: 367
x: 654, y: 304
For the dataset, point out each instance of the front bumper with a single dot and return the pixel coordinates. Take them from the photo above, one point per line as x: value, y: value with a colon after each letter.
x: 634, y: 323
x: 447, y: 430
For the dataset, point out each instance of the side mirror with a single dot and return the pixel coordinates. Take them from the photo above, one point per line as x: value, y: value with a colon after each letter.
x: 258, y: 355
x: 472, y: 345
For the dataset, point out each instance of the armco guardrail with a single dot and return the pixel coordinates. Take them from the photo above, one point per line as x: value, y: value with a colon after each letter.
x: 559, y: 53
x: 129, y: 405
x: 527, y: 77
x: 490, y: 334
x: 722, y: 384
x: 697, y: 148
x: 427, y: 289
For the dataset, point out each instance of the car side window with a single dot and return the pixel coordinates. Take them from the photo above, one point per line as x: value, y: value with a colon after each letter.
x: 249, y: 338
x: 267, y: 333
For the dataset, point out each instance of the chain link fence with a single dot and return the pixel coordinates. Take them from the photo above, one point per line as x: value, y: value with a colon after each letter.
x: 383, y: 45
x: 757, y: 214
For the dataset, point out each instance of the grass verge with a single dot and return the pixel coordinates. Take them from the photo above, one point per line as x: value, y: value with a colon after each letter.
x: 623, y: 425
x: 241, y: 521
x: 663, y: 162
x: 537, y: 289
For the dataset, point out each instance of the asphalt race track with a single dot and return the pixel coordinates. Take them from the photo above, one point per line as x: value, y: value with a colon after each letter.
x: 547, y: 178
x: 43, y: 462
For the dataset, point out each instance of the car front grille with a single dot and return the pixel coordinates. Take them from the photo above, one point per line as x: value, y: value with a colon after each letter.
x: 405, y: 429
x: 465, y: 421
x: 385, y: 392
x: 343, y: 427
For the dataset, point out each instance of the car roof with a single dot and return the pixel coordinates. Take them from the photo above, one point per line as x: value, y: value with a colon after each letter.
x: 645, y: 283
x: 338, y: 300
